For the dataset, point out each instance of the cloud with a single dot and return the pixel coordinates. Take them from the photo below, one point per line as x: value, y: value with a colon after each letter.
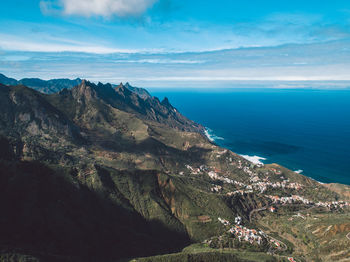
x: 104, y: 8
x: 16, y: 43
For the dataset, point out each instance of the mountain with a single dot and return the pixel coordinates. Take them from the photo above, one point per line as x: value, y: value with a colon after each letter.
x: 48, y: 87
x: 7, y: 81
x: 141, y: 92
x: 98, y: 173
x: 56, y: 85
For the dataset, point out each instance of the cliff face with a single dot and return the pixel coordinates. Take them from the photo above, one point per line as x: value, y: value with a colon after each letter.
x: 99, y: 173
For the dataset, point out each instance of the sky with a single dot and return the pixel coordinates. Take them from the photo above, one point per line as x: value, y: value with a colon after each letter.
x: 176, y: 42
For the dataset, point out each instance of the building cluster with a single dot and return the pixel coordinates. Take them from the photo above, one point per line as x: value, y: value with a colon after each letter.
x: 262, y: 186
x: 239, y: 192
x: 300, y: 199
x: 196, y: 170
x: 238, y: 220
x: 213, y: 175
x: 245, y: 234
x: 288, y: 200
x: 256, y: 183
x: 216, y: 188
x: 237, y: 183
x: 333, y: 204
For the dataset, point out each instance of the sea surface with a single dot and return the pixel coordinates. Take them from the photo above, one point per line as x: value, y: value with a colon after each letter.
x: 304, y: 130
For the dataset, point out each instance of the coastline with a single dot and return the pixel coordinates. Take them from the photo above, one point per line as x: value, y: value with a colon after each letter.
x: 253, y: 159
x: 210, y: 135
x: 212, y: 138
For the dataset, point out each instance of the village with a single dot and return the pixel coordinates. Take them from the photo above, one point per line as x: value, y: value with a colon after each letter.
x: 271, y: 183
x: 300, y: 199
x: 242, y: 233
x: 259, y: 186
x: 252, y: 236
x: 259, y: 183
x: 256, y: 183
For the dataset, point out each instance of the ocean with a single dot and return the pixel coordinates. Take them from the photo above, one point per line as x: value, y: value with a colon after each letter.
x: 305, y: 130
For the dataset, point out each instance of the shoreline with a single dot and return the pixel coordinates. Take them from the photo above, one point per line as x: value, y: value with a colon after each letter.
x: 209, y: 133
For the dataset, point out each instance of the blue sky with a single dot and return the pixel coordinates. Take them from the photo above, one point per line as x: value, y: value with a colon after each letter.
x: 170, y: 43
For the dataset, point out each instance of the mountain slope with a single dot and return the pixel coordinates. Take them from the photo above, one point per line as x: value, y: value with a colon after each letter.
x: 98, y: 173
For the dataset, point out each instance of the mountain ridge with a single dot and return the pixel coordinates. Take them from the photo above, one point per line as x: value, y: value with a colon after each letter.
x: 55, y: 85
x: 44, y: 86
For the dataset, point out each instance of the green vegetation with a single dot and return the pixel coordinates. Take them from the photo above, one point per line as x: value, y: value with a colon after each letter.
x: 198, y: 252
x: 96, y: 173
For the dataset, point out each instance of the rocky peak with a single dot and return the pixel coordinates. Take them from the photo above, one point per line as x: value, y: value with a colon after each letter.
x: 165, y: 102
x: 85, y: 91
x: 120, y: 86
x: 123, y: 91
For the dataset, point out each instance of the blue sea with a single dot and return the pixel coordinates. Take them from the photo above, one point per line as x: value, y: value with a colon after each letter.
x: 304, y: 130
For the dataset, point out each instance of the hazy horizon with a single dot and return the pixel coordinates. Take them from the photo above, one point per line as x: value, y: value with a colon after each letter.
x: 176, y: 43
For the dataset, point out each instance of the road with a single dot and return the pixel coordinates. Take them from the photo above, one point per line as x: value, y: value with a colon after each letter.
x: 283, y: 246
x: 256, y: 210
x: 272, y: 250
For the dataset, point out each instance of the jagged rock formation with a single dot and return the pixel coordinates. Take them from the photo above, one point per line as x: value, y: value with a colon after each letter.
x: 141, y: 92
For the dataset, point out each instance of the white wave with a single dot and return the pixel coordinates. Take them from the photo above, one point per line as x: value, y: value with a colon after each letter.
x: 299, y: 171
x: 254, y: 159
x: 211, y: 136
x: 317, y: 181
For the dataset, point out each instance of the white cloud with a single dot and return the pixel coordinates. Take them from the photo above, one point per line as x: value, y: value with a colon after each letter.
x: 104, y: 8
x: 15, y: 43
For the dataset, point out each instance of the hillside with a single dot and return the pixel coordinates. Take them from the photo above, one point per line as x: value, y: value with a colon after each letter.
x: 99, y: 173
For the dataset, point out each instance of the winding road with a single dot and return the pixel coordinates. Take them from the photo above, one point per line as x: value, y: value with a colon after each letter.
x: 283, y: 246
